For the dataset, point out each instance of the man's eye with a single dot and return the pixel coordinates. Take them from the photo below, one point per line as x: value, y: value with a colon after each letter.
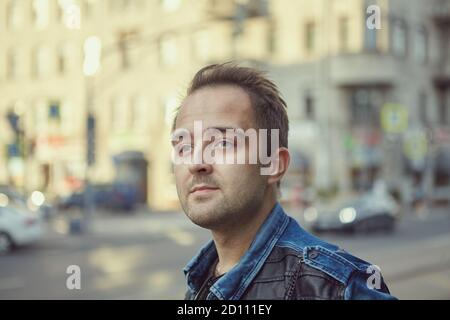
x: 224, y: 144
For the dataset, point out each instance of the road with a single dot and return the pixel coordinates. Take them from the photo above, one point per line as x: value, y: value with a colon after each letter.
x: 141, y: 257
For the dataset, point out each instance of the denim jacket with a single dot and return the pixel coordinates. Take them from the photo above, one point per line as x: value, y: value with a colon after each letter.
x: 286, y: 262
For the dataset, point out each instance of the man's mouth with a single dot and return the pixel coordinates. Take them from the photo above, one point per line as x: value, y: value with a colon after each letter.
x: 202, y: 189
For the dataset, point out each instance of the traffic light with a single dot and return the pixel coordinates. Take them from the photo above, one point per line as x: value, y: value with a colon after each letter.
x: 17, y: 147
x: 14, y: 121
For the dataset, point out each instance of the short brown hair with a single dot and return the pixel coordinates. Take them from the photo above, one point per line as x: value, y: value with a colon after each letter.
x: 269, y: 108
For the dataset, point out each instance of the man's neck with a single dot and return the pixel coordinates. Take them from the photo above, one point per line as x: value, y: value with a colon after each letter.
x: 232, y: 242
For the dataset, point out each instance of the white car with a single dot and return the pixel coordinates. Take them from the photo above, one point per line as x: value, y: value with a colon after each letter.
x: 18, y: 226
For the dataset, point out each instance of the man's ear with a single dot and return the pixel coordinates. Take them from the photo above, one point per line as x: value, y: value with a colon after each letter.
x: 279, y: 165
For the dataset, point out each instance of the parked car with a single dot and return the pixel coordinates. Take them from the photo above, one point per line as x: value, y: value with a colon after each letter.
x: 375, y: 210
x: 18, y: 226
x: 105, y: 196
x: 35, y: 202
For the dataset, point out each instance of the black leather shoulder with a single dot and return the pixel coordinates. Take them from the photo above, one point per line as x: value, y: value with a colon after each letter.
x: 273, y: 280
x: 285, y: 275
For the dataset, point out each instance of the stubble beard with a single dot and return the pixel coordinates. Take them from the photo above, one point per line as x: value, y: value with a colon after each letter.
x: 223, y: 211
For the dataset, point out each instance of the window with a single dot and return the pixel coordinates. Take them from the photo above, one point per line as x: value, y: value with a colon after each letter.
x: 271, y: 38
x: 67, y: 118
x: 87, y: 8
x: 41, y: 115
x: 168, y: 51
x: 365, y: 103
x: 54, y: 111
x: 399, y: 38
x: 41, y: 62
x: 119, y: 6
x: 63, y: 58
x: 257, y: 8
x: 126, y: 5
x: 140, y: 113
x: 201, y: 46
x: 41, y: 13
x: 170, y: 105
x: 69, y: 14
x: 29, y: 118
x: 370, y: 35
x: 370, y: 38
x: 119, y: 113
x: 444, y: 108
x: 14, y: 14
x: 310, y: 37
x: 125, y: 39
x: 423, y: 114
x: 12, y: 64
x: 92, y: 55
x: 343, y: 34
x: 124, y: 51
x: 170, y: 5
x: 421, y: 45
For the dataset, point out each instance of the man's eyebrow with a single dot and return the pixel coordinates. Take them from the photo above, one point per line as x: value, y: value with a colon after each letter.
x: 222, y: 129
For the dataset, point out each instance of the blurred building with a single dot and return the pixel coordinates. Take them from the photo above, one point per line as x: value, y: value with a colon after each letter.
x: 150, y: 49
x: 365, y: 103
x: 335, y: 73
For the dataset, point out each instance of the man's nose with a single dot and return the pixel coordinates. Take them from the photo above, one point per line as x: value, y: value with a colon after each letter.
x: 200, y: 168
x: 198, y: 164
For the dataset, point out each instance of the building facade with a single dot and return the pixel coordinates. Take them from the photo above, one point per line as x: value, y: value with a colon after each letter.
x: 335, y: 73
x: 365, y: 103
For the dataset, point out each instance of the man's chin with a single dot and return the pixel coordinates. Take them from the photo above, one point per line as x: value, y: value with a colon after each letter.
x: 201, y: 209
x: 204, y: 214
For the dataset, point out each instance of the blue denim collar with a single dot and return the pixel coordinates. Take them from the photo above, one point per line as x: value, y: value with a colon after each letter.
x: 233, y: 284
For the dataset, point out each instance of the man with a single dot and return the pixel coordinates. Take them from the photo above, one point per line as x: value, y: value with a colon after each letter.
x: 257, y: 251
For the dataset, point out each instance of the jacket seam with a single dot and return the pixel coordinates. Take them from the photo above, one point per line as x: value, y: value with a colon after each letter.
x: 335, y: 275
x: 290, y: 245
x: 276, y: 279
x: 291, y: 287
x: 337, y: 257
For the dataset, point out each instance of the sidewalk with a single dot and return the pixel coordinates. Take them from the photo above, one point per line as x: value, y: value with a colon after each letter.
x: 139, y: 223
x: 142, y: 222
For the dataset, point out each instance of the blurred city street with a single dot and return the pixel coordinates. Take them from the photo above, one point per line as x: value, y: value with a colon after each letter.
x: 141, y: 257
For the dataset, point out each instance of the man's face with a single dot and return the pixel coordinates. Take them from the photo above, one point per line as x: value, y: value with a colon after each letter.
x: 217, y: 195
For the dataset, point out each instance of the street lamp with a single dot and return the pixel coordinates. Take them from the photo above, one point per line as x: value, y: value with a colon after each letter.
x: 91, y: 65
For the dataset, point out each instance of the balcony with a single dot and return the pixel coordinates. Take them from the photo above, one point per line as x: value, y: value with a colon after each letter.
x: 440, y: 12
x: 222, y: 9
x: 442, y: 75
x: 232, y: 9
x: 364, y: 69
